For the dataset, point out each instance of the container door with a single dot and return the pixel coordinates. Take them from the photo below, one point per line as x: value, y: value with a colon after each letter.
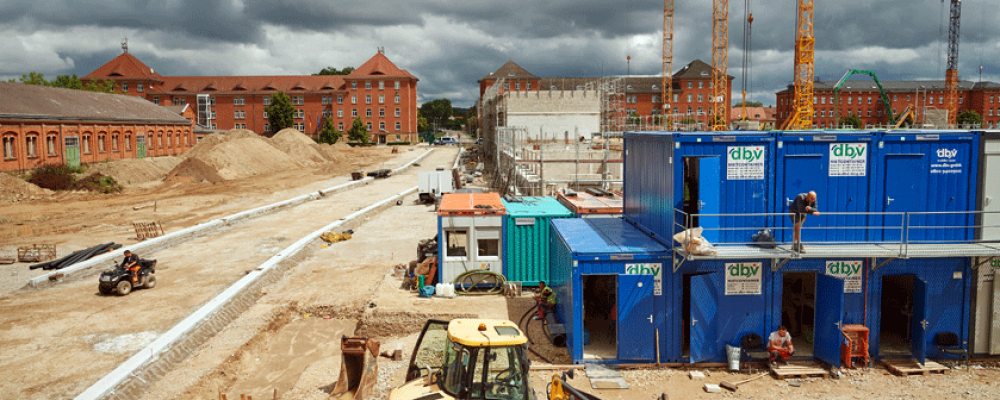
x: 905, y: 186
x: 991, y: 195
x: 704, y: 306
x: 709, y: 189
x: 918, y: 343
x: 636, y: 332
x: 803, y: 173
x: 829, y: 319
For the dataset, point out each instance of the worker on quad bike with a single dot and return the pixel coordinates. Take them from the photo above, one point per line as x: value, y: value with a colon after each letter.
x: 131, y: 263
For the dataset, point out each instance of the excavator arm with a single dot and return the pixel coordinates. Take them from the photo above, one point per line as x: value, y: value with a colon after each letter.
x: 881, y: 91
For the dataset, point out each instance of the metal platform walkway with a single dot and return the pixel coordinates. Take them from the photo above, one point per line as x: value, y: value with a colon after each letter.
x: 784, y: 253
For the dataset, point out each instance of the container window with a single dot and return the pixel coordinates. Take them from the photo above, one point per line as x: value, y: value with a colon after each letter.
x: 488, y: 243
x: 457, y: 243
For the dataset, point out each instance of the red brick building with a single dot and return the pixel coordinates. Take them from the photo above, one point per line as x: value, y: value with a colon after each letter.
x: 862, y: 99
x: 692, y: 89
x: 381, y: 94
x: 40, y: 125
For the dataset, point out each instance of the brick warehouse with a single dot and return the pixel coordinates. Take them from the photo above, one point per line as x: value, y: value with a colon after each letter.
x: 40, y: 125
x: 862, y: 99
x: 381, y: 94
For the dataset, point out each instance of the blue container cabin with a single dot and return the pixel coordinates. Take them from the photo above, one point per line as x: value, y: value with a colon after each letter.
x: 927, y: 171
x: 839, y: 167
x: 699, y: 173
x: 608, y: 277
x: 910, y: 301
x: 526, y: 238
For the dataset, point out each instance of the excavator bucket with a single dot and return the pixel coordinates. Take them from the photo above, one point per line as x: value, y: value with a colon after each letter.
x: 358, y: 369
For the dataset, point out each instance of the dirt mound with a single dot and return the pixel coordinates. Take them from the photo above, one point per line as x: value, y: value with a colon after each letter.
x: 342, y: 143
x: 97, y: 182
x: 330, y: 152
x: 14, y: 189
x: 132, y: 171
x: 298, y: 146
x: 236, y: 154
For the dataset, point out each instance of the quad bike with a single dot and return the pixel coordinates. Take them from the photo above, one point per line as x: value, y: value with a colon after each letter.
x: 118, y: 280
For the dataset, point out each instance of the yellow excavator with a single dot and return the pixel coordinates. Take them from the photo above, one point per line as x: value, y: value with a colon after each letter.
x: 467, y: 359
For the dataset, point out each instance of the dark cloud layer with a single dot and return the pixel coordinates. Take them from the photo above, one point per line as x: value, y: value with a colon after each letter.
x: 451, y: 44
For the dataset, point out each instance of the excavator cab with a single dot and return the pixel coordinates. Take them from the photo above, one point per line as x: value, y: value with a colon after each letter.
x: 468, y: 359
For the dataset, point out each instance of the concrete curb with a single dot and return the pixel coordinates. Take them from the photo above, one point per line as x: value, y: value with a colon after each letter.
x: 130, y: 379
x: 84, y: 268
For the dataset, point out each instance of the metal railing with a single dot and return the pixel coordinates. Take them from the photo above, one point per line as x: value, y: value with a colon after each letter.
x: 891, y: 230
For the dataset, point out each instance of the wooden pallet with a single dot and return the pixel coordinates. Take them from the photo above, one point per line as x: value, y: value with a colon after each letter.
x: 797, y: 370
x: 911, y: 367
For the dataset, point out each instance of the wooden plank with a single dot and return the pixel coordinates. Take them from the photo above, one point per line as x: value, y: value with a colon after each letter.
x: 797, y: 371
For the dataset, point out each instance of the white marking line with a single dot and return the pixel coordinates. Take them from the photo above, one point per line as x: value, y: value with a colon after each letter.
x: 175, y: 238
x: 106, y: 384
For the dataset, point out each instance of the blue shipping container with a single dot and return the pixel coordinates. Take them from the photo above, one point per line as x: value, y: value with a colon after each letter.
x: 712, y: 173
x: 526, y: 238
x: 839, y: 167
x: 911, y: 300
x: 920, y: 172
x: 607, y: 276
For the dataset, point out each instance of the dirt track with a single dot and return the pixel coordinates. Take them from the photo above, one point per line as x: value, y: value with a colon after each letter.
x: 52, y: 339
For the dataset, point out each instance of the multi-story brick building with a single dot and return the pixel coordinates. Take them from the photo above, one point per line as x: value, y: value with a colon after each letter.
x: 692, y: 90
x: 40, y: 125
x: 382, y: 95
x: 862, y: 99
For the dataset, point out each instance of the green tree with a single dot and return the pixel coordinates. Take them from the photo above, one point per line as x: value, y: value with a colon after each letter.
x: 688, y: 121
x: 358, y: 131
x: 749, y: 104
x: 334, y: 71
x: 103, y: 86
x: 969, y: 117
x: 850, y: 120
x: 422, y: 125
x: 437, y: 111
x: 34, y: 78
x: 67, y: 81
x: 329, y: 134
x: 280, y: 113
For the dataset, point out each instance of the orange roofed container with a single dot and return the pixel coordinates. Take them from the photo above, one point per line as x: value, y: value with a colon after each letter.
x: 471, y: 204
x: 586, y: 205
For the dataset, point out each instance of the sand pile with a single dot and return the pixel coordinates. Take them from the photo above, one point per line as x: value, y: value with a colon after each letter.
x: 300, y: 147
x: 130, y: 171
x: 236, y: 154
x: 14, y: 189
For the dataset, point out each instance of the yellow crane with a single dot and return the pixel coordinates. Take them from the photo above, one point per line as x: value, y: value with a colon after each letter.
x: 667, y: 84
x: 805, y: 48
x: 720, y: 60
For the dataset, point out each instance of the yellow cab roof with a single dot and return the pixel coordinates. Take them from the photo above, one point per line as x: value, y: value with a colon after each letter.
x: 498, y: 332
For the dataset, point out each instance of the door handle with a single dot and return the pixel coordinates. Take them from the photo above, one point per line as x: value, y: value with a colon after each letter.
x: 924, y: 324
x: 987, y: 201
x: 650, y: 318
x: 788, y: 202
x: 701, y: 205
x: 693, y: 322
x: 889, y: 200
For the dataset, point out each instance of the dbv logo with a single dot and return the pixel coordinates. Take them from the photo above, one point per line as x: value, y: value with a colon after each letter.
x: 945, y: 153
x: 843, y: 268
x: 851, y: 151
x: 741, y: 269
x: 747, y: 154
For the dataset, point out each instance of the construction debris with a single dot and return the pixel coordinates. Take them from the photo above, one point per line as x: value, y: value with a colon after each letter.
x: 36, y: 253
x: 147, y: 230
x: 331, y: 237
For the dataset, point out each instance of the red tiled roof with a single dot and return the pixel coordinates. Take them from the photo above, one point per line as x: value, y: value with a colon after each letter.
x: 124, y: 66
x: 753, y: 113
x: 379, y: 65
x: 230, y: 84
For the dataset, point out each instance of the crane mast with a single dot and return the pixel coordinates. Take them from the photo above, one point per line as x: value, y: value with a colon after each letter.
x: 951, y: 75
x: 667, y: 84
x: 720, y: 59
x: 805, y: 47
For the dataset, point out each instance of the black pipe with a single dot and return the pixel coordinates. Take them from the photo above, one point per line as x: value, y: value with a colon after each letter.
x: 81, y: 256
x: 555, y: 331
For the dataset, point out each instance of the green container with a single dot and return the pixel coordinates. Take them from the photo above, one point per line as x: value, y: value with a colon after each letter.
x: 526, y: 238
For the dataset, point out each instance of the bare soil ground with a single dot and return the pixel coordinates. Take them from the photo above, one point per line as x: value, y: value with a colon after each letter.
x: 55, y: 342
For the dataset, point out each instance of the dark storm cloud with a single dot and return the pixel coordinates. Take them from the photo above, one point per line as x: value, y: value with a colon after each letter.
x: 451, y: 44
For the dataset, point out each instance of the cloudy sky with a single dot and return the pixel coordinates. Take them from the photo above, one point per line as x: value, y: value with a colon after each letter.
x: 451, y: 44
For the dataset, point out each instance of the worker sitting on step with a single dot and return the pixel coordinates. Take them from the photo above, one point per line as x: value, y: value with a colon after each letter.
x: 779, y: 346
x: 546, y: 300
x: 131, y: 263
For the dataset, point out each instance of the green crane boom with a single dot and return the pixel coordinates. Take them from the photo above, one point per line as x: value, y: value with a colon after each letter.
x: 885, y: 98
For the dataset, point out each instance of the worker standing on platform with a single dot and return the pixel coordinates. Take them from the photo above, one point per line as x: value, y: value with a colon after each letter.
x: 804, y: 203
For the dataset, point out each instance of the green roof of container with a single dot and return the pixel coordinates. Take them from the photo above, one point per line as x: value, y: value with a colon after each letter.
x: 537, y: 207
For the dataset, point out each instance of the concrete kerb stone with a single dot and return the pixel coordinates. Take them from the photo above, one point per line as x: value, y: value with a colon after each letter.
x: 86, y: 268
x: 130, y: 379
